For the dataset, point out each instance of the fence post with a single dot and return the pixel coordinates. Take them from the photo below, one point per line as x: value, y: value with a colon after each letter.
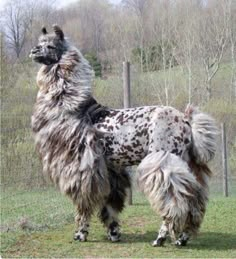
x: 126, y: 84
x: 224, y: 161
x: 127, y: 104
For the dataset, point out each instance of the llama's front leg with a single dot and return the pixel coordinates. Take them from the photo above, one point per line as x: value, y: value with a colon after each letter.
x: 82, y: 221
x: 183, y: 239
x: 163, y: 232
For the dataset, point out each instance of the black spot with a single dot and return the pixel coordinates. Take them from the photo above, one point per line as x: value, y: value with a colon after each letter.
x: 178, y: 138
x: 176, y: 119
x: 140, y: 116
x: 120, y: 119
x: 186, y: 141
x: 136, y: 144
x: 129, y: 148
x: 175, y: 151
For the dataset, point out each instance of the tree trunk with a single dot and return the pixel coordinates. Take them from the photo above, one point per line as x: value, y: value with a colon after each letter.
x: 189, y: 86
x: 209, y: 90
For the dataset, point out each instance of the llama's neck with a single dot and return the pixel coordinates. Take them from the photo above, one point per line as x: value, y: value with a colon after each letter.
x: 68, y: 82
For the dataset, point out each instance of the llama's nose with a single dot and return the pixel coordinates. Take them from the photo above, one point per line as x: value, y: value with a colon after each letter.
x: 35, y: 49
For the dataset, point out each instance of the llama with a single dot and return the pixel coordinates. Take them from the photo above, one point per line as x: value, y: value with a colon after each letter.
x: 85, y: 147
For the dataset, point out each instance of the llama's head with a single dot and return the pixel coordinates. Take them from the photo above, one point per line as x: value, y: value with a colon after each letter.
x: 50, y: 47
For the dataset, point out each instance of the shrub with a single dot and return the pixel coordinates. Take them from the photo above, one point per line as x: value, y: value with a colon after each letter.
x: 95, y: 63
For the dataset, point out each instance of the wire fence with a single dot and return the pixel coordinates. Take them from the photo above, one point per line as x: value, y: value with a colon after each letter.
x: 28, y: 200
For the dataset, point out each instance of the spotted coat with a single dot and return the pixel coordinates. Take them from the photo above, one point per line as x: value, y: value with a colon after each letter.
x: 131, y: 134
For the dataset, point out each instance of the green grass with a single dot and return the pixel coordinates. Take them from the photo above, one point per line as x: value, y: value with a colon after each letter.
x: 139, y: 226
x: 41, y: 208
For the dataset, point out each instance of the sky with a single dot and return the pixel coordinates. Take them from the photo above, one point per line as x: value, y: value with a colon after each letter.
x: 66, y: 2
x: 2, y: 2
x: 62, y: 2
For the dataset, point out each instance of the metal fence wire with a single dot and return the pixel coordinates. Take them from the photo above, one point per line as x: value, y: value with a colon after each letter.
x: 28, y: 200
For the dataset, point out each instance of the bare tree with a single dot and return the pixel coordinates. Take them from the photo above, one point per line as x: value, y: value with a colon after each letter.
x: 121, y: 35
x: 138, y: 6
x: 16, y: 25
x: 213, y: 38
x: 91, y: 17
x: 163, y: 36
x: 2, y: 60
x: 185, y: 35
x: 232, y: 40
x: 139, y: 9
x: 22, y: 20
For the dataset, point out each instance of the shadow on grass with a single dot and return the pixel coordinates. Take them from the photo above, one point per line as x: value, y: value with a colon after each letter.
x: 214, y: 241
x: 205, y: 241
x: 144, y: 204
x: 139, y: 238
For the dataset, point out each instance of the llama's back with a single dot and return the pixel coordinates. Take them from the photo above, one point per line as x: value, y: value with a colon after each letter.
x: 131, y: 134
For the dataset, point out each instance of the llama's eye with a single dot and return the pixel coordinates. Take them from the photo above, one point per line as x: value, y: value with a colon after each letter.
x: 51, y: 47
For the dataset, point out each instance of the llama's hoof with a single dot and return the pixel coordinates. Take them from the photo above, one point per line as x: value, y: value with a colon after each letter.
x: 159, y: 242
x: 114, y: 238
x: 82, y: 237
x: 181, y: 242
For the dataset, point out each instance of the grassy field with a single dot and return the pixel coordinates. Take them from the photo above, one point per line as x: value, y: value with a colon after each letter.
x: 51, y: 236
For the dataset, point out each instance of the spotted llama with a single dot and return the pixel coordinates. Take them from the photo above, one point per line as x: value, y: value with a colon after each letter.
x: 85, y: 147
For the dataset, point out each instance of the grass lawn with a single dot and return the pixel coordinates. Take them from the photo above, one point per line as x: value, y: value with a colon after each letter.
x: 139, y: 226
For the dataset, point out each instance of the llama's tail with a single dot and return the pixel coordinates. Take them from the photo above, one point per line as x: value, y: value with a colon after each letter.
x: 202, y: 150
x: 169, y: 185
x: 204, y: 132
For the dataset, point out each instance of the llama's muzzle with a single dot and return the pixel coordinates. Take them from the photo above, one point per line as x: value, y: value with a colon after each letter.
x: 34, y: 51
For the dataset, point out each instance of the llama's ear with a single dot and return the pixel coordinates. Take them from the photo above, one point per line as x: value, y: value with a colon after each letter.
x: 44, y: 31
x: 58, y: 31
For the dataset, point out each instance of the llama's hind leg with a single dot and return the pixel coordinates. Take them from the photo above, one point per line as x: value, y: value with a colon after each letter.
x: 168, y: 183
x: 109, y: 217
x: 197, y: 204
x: 183, y: 239
x: 163, y: 232
x: 82, y: 221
